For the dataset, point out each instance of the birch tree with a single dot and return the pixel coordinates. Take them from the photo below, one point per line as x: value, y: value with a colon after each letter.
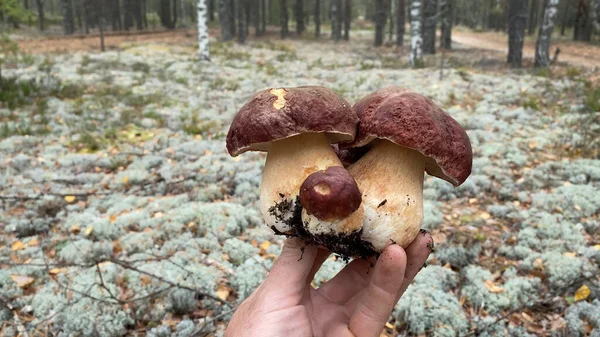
x: 416, y: 41
x: 542, y: 54
x: 204, y: 52
x: 517, y: 20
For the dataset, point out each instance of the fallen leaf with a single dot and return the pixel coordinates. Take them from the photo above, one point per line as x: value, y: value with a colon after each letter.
x: 597, y: 247
x: 17, y: 246
x: 69, y: 198
x: 254, y: 243
x: 582, y: 293
x: 485, y: 215
x: 75, y: 229
x: 22, y: 281
x: 570, y: 254
x: 89, y: 230
x: 112, y: 218
x: 223, y: 292
x: 265, y: 245
x: 389, y: 326
x: 492, y: 287
x: 125, y: 180
x: 55, y: 271
x: 145, y: 280
x: 33, y: 242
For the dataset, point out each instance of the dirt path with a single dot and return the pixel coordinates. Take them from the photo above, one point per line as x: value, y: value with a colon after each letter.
x: 574, y: 53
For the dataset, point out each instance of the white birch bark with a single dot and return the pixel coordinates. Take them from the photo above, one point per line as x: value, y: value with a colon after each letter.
x: 416, y: 40
x: 542, y: 53
x: 595, y: 14
x: 203, y: 31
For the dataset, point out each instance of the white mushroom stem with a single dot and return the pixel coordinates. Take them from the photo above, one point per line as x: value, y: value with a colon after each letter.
x: 289, y: 162
x: 390, y: 178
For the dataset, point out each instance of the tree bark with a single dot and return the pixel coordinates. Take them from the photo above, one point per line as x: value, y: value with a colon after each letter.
x: 68, y: 23
x: 225, y: 20
x: 517, y: 20
x: 263, y: 17
x: 400, y: 22
x: 299, y: 14
x: 203, y: 48
x: 241, y: 18
x: 115, y: 15
x: 447, y: 8
x: 175, y: 14
x: 542, y: 54
x: 416, y: 40
x: 533, y: 16
x: 101, y: 24
x: 317, y: 15
x: 392, y: 5
x: 564, y: 17
x: 429, y: 26
x: 128, y: 11
x: 336, y: 15
x: 211, y: 10
x: 40, y: 6
x: 583, y: 29
x: 165, y: 14
x: 347, y: 19
x: 284, y: 19
x: 380, y: 19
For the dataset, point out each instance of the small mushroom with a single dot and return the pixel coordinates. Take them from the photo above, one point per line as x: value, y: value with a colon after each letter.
x: 296, y: 126
x: 407, y: 135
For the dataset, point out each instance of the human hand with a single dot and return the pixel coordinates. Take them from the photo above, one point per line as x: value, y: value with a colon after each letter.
x: 356, y: 302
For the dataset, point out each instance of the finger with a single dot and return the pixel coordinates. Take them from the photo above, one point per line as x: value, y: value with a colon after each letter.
x: 292, y: 267
x: 322, y: 255
x: 416, y: 255
x: 378, y: 299
x: 350, y: 280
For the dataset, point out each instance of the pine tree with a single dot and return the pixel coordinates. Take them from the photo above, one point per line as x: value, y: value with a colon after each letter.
x: 517, y: 20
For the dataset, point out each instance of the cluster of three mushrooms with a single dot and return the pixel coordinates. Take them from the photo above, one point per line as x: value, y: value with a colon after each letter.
x: 365, y: 191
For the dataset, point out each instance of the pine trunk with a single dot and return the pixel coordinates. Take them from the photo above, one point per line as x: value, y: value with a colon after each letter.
x: 317, y: 18
x: 447, y: 8
x: 241, y: 18
x: 165, y: 14
x: 284, y: 19
x: 211, y: 10
x: 517, y: 20
x: 380, y: 19
x: 299, y: 14
x: 347, y: 19
x: 542, y: 54
x: 392, y: 16
x: 204, y: 51
x: 336, y: 25
x: 101, y: 23
x: 582, y: 31
x: 533, y: 16
x: 115, y: 15
x: 68, y: 23
x: 416, y: 41
x: 128, y: 11
x: 565, y: 16
x: 40, y: 6
x: 263, y: 17
x: 225, y: 19
x: 400, y: 22
x: 429, y: 26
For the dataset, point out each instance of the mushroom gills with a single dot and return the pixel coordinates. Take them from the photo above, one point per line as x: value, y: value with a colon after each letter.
x: 289, y: 162
x: 390, y: 178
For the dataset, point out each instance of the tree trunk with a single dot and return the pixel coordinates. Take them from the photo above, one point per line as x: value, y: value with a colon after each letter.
x: 582, y: 31
x: 144, y: 6
x: 564, y: 17
x: 232, y: 14
x: 175, y: 14
x: 211, y: 10
x: 429, y: 26
x: 255, y: 13
x: 128, y: 11
x: 533, y: 16
x: 517, y: 20
x: 204, y: 51
x: 241, y: 17
x: 594, y: 16
x: 447, y: 8
x: 542, y: 54
x: 115, y: 15
x: 416, y: 41
x: 182, y: 11
x: 40, y: 6
x: 263, y: 16
x: 400, y: 22
x: 284, y: 19
x: 317, y: 18
x: 68, y: 23
x: 225, y: 19
x: 299, y: 14
x: 347, y: 19
x: 380, y: 19
x: 101, y: 23
x: 165, y: 14
x: 392, y: 16
x: 336, y: 15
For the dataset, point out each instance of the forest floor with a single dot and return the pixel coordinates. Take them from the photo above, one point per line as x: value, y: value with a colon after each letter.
x: 122, y: 214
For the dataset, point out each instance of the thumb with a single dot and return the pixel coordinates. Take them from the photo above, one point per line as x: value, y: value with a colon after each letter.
x: 292, y: 267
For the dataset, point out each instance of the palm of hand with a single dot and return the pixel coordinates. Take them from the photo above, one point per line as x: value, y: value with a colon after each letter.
x: 356, y: 302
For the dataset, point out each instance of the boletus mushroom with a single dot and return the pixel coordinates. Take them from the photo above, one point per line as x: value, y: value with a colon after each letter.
x: 305, y: 191
x: 406, y: 135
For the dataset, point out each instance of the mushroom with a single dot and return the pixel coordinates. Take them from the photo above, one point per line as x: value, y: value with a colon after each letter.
x: 407, y: 135
x: 296, y: 126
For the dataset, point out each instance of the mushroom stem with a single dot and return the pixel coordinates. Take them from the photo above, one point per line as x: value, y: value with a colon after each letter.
x: 390, y: 178
x: 289, y: 162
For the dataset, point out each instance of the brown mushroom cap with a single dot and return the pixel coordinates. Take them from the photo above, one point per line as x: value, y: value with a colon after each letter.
x: 330, y: 195
x: 414, y: 121
x: 274, y: 114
